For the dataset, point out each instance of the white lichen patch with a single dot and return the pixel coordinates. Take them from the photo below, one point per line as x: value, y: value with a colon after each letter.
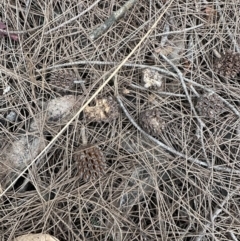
x: 152, y: 79
x: 18, y: 155
x: 36, y: 237
x: 106, y: 109
x: 60, y: 108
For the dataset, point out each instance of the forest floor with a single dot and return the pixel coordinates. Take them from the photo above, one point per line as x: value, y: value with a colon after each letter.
x: 119, y: 119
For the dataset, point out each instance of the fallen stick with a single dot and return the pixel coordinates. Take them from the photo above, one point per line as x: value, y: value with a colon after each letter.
x: 114, y: 17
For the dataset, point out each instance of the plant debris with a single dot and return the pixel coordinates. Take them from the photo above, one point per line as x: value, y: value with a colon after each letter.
x: 61, y: 108
x: 152, y: 122
x: 228, y: 65
x: 106, y: 109
x: 210, y: 106
x: 152, y: 79
x: 62, y: 80
x: 91, y: 162
x: 171, y: 148
x: 18, y: 155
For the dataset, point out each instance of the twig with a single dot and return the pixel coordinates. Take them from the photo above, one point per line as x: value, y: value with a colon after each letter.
x: 21, y: 31
x: 216, y: 53
x: 190, y: 54
x: 178, y: 31
x: 233, y: 236
x: 158, y: 92
x: 83, y: 134
x: 194, y: 91
x: 170, y: 149
x: 72, y: 19
x: 216, y: 212
x: 78, y: 81
x: 112, y: 19
x: 199, y: 131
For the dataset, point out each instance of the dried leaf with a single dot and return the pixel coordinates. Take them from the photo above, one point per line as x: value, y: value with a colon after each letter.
x: 210, y: 11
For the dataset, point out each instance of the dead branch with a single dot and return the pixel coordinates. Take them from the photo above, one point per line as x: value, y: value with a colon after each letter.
x: 116, y: 16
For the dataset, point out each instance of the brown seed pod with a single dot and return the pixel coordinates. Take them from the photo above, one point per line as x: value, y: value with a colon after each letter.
x: 106, y: 109
x: 62, y: 80
x: 228, y: 65
x: 152, y: 122
x: 91, y: 162
x: 210, y: 106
